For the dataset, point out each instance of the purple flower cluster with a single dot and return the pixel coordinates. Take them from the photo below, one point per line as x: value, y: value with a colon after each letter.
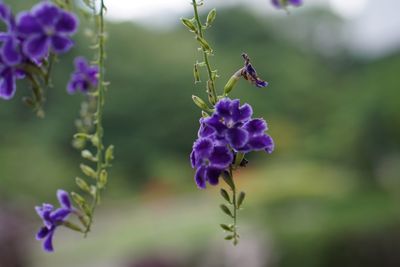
x: 53, y: 218
x: 30, y: 38
x: 230, y: 129
x: 84, y: 78
x: 284, y: 3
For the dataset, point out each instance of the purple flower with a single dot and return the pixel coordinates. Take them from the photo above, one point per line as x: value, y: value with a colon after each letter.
x: 10, y: 43
x: 84, y: 78
x: 249, y: 73
x: 46, y: 27
x: 230, y: 129
x: 210, y: 160
x: 53, y: 218
x: 8, y: 77
x: 284, y: 3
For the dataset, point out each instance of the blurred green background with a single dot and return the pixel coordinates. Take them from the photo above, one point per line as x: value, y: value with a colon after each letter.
x: 328, y: 196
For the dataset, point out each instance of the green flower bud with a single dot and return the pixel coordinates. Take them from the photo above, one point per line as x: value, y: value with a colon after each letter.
x: 189, y: 24
x: 204, y: 44
x: 240, y: 200
x: 82, y: 184
x: 200, y: 103
x: 196, y: 73
x: 88, y: 171
x: 226, y: 210
x: 211, y: 17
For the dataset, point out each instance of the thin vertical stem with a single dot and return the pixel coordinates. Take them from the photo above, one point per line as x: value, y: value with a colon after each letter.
x: 99, y: 111
x: 205, y: 53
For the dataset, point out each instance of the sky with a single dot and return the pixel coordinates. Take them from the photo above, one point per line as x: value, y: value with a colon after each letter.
x: 372, y: 26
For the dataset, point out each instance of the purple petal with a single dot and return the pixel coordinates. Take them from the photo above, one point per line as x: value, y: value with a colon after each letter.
x: 215, y: 122
x: 37, y: 47
x: 5, y: 12
x: 255, y: 126
x: 221, y: 157
x: 10, y: 53
x: 81, y: 64
x: 205, y: 131
x: 251, y: 71
x: 262, y: 142
x: 223, y: 108
x: 296, y: 2
x: 27, y: 24
x: 212, y: 175
x: 63, y: 198
x: 203, y: 148
x: 237, y: 137
x: 193, y: 159
x: 61, y: 44
x: 260, y: 83
x: 199, y: 178
x: 59, y: 214
x: 48, y: 242
x: 242, y: 113
x: 46, y: 13
x: 7, y: 84
x: 43, y: 232
x: 67, y: 23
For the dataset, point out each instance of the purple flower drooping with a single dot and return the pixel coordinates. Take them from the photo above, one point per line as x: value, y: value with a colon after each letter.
x: 210, y: 160
x: 285, y: 3
x: 46, y: 28
x: 229, y: 130
x: 53, y: 218
x: 249, y: 73
x: 10, y: 55
x: 84, y: 77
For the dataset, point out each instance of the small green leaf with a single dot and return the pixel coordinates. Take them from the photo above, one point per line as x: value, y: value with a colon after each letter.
x: 240, y: 200
x: 226, y: 210
x: 228, y: 180
x: 225, y: 195
x: 226, y: 227
x: 88, y: 171
x: 82, y: 184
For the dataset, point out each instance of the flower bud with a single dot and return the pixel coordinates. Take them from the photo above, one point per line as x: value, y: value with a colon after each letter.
x: 196, y: 73
x: 211, y: 17
x: 88, y: 171
x: 204, y: 44
x: 200, y: 103
x: 189, y: 24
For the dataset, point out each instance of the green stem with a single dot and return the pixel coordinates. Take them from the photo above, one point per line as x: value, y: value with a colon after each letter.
x: 205, y: 54
x: 99, y: 111
x: 235, y: 208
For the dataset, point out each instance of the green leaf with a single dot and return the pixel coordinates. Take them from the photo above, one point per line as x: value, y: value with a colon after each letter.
x: 226, y: 210
x: 226, y: 227
x: 225, y: 195
x: 240, y: 200
x: 228, y: 180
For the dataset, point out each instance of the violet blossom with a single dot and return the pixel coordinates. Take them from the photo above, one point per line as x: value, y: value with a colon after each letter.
x: 84, y: 77
x: 53, y: 218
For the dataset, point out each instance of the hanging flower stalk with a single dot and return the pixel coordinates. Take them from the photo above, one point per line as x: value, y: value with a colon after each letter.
x: 227, y: 130
x: 87, y: 78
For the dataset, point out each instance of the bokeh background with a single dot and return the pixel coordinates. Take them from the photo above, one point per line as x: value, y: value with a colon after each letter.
x: 328, y: 196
